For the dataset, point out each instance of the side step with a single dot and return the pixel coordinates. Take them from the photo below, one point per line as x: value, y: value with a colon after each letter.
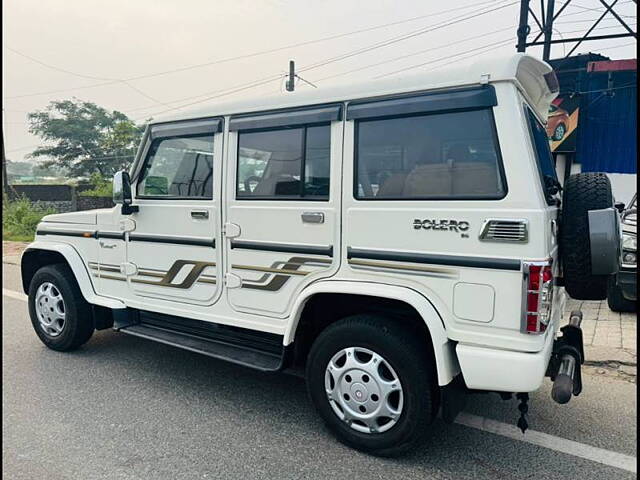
x: 207, y: 341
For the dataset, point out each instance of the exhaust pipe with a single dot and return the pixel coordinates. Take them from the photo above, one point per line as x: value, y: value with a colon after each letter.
x: 564, y: 383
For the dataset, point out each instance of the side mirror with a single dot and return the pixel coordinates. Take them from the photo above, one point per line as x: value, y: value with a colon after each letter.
x: 619, y: 206
x: 122, y: 192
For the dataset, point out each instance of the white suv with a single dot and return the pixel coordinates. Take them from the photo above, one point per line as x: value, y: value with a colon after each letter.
x: 403, y: 243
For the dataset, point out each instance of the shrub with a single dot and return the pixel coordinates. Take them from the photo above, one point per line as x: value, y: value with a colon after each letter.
x: 101, y: 187
x: 20, y: 218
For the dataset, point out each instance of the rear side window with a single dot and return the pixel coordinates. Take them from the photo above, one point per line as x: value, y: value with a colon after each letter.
x: 178, y: 167
x: 291, y: 163
x: 437, y: 156
x: 544, y: 158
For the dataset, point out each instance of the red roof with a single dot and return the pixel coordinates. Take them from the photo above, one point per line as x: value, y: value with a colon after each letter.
x: 612, y: 65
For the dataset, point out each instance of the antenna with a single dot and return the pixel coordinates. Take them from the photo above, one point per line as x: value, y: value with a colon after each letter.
x: 291, y: 82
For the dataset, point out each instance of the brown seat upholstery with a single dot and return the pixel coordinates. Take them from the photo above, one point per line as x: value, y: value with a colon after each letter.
x: 393, y: 187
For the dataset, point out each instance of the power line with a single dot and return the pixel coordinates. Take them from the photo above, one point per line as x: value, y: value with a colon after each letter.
x: 414, y: 54
x: 348, y: 54
x: 53, y: 67
x: 499, y: 43
x: 407, y: 36
x: 238, y: 57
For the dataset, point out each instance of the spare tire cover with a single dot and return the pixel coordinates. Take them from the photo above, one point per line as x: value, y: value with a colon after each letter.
x: 582, y: 192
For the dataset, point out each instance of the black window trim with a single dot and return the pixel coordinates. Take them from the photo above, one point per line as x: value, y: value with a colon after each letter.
x: 494, y: 133
x: 148, y: 151
x: 285, y: 198
x: 421, y: 103
x: 530, y: 114
x: 288, y: 117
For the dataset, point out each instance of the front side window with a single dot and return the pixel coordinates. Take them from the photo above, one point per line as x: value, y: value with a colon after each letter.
x: 436, y: 156
x: 291, y: 163
x: 178, y: 167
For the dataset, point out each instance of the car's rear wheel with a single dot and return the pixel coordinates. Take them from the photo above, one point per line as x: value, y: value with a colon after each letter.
x: 59, y: 313
x: 372, y: 383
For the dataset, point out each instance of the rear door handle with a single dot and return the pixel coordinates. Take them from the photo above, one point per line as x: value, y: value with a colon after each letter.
x: 313, y: 217
x: 199, y: 214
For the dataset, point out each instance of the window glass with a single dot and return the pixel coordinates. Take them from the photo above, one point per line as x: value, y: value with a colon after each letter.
x: 179, y: 167
x: 546, y: 164
x: 438, y: 156
x: 284, y: 163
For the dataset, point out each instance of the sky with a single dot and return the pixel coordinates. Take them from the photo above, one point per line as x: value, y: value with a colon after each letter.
x: 145, y: 57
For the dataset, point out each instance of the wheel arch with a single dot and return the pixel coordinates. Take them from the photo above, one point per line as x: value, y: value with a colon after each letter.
x: 39, y: 254
x: 443, y: 349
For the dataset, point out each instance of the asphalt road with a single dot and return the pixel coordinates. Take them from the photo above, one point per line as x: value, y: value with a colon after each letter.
x: 127, y: 408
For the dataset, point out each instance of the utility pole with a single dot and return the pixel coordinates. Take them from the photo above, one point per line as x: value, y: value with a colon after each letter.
x: 5, y: 178
x: 523, y: 27
x: 545, y: 15
x: 548, y: 31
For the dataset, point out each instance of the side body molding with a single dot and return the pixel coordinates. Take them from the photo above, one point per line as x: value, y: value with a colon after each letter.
x: 79, y: 270
x: 444, y: 350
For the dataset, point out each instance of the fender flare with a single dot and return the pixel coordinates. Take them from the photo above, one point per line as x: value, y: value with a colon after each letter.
x: 444, y: 350
x: 74, y: 260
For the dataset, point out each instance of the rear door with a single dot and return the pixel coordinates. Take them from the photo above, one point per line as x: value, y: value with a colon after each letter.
x: 172, y: 251
x: 283, y: 204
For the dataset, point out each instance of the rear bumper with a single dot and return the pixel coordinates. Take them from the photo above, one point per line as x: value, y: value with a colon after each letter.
x: 504, y: 370
x: 627, y: 281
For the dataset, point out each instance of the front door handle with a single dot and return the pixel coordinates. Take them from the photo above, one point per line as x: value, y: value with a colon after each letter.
x: 313, y: 217
x: 199, y: 214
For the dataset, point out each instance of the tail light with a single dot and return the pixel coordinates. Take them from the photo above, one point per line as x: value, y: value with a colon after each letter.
x: 537, y: 297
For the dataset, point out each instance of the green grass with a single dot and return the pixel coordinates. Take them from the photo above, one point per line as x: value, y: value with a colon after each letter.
x: 20, y: 218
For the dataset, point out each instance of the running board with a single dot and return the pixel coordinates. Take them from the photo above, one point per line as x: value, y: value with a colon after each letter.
x: 212, y: 340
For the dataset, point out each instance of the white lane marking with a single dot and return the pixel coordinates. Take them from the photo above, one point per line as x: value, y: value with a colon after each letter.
x: 595, y: 454
x: 15, y: 295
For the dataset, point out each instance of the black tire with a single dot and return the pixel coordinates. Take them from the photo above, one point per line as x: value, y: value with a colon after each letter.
x: 616, y: 300
x: 582, y: 192
x: 407, y: 355
x: 78, y: 322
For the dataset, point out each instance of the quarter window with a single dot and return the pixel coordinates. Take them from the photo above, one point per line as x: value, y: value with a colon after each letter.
x: 436, y: 156
x: 179, y: 167
x: 290, y: 163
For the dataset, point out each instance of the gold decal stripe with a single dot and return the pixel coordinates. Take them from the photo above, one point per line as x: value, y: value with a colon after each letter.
x: 368, y: 263
x: 270, y: 270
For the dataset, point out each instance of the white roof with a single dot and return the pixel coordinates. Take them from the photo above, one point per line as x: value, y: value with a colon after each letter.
x: 525, y: 71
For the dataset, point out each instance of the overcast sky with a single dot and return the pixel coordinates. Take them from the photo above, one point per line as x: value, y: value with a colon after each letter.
x: 89, y: 48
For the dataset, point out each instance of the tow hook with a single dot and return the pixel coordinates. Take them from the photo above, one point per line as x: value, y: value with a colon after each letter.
x: 566, y: 360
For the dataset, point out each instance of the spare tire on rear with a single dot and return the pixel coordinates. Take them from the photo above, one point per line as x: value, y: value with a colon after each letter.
x: 582, y: 192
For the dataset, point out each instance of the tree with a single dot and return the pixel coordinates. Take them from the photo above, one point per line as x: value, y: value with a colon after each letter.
x: 86, y: 138
x: 19, y: 168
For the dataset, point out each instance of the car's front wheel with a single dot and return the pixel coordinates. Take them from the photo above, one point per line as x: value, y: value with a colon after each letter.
x: 59, y: 313
x: 371, y: 381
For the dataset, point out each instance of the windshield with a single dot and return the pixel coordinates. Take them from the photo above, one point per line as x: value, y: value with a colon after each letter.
x: 546, y: 164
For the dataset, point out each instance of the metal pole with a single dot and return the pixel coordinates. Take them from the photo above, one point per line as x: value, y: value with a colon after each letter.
x: 523, y: 27
x: 548, y: 31
x: 5, y: 178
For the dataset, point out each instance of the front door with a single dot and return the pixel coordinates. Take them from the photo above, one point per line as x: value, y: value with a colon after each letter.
x: 283, y: 206
x: 172, y: 250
